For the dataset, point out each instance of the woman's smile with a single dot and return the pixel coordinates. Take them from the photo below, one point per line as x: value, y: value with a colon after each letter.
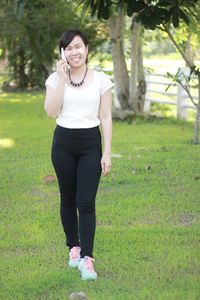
x: 75, y: 58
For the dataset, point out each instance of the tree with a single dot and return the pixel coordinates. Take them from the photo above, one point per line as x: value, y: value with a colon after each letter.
x: 137, y: 84
x: 29, y: 37
x: 116, y: 28
x: 30, y: 31
x: 155, y: 14
x: 130, y: 86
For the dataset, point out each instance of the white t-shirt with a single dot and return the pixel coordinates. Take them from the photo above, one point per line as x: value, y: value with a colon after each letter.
x: 81, y: 107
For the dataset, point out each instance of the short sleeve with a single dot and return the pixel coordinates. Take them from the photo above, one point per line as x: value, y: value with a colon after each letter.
x: 52, y: 80
x: 106, y: 83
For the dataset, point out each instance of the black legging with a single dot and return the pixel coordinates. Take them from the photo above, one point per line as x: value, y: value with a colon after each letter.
x: 76, y: 157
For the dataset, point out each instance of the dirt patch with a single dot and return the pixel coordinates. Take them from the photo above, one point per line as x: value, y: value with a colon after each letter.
x: 186, y: 219
x: 35, y: 192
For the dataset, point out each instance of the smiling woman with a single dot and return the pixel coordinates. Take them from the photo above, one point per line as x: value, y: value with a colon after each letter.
x: 81, y: 100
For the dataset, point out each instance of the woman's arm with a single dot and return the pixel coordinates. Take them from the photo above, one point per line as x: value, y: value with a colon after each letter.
x: 105, y: 115
x: 54, y: 97
x: 54, y: 100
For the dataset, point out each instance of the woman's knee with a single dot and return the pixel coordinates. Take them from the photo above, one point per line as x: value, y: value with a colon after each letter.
x: 86, y: 205
x: 67, y: 201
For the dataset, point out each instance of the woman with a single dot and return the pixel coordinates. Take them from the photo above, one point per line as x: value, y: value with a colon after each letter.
x: 80, y: 99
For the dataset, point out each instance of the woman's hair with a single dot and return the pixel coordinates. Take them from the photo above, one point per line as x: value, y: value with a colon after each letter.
x: 69, y: 35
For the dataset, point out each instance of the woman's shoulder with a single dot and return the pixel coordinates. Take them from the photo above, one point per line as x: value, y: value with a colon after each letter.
x: 53, y: 75
x: 100, y: 74
x: 104, y: 81
x: 52, y: 80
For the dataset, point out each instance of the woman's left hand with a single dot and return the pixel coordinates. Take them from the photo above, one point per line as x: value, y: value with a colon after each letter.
x: 106, y: 164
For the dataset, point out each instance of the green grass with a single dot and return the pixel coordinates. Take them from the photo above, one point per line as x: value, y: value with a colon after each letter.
x: 147, y: 236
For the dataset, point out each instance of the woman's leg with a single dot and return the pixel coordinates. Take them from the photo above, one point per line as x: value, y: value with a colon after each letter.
x: 65, y: 167
x: 88, y: 176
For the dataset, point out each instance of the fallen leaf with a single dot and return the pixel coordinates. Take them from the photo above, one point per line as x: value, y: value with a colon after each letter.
x: 49, y: 179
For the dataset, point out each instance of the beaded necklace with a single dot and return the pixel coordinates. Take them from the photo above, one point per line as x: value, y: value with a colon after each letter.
x: 77, y: 84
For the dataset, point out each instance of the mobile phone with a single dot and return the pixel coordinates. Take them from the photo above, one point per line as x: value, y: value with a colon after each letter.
x: 63, y: 54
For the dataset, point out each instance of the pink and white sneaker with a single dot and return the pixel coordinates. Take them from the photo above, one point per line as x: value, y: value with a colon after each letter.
x: 74, y: 257
x: 87, y: 269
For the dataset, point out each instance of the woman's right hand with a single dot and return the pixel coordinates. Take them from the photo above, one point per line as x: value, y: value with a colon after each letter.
x: 62, y: 68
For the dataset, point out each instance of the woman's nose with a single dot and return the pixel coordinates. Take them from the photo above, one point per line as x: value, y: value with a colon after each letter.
x: 74, y: 51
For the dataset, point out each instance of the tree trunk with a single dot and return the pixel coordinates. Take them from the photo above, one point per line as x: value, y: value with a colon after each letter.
x: 134, y: 65
x: 21, y: 69
x: 141, y: 90
x: 116, y: 27
x: 189, y: 51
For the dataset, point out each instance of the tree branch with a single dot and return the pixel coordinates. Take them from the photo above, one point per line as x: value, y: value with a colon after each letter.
x: 177, y: 46
x: 185, y: 87
x: 160, y: 28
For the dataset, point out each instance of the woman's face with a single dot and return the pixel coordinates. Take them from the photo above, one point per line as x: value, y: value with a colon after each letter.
x: 76, y: 52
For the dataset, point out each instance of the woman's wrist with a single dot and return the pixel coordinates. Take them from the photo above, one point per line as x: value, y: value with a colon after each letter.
x: 107, y: 152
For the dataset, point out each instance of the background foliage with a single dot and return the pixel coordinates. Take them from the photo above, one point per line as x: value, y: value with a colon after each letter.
x: 30, y: 32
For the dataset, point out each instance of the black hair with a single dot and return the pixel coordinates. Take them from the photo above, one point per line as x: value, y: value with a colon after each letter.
x: 69, y: 35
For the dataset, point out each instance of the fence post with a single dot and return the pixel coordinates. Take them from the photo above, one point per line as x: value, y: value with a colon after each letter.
x: 147, y: 102
x: 182, y: 111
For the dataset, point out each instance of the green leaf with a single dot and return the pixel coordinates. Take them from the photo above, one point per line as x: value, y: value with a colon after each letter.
x: 175, y: 18
x: 189, y: 3
x: 184, y: 16
x: 171, y: 84
x: 94, y: 8
x: 135, y: 6
x: 152, y: 16
x: 166, y: 3
x: 103, y: 10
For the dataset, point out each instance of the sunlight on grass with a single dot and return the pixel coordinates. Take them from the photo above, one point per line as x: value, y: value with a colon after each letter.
x: 6, y: 143
x: 15, y: 100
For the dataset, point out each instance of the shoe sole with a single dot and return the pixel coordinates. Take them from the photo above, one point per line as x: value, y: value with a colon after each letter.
x: 86, y: 278
x: 83, y: 278
x: 73, y: 265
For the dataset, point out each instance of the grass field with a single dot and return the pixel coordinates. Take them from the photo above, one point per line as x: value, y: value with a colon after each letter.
x: 148, y: 227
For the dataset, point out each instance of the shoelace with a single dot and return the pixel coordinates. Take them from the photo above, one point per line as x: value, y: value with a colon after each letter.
x: 74, y: 253
x: 89, y: 263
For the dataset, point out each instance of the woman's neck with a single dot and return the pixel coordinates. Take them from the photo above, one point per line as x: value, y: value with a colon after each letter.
x: 78, y: 71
